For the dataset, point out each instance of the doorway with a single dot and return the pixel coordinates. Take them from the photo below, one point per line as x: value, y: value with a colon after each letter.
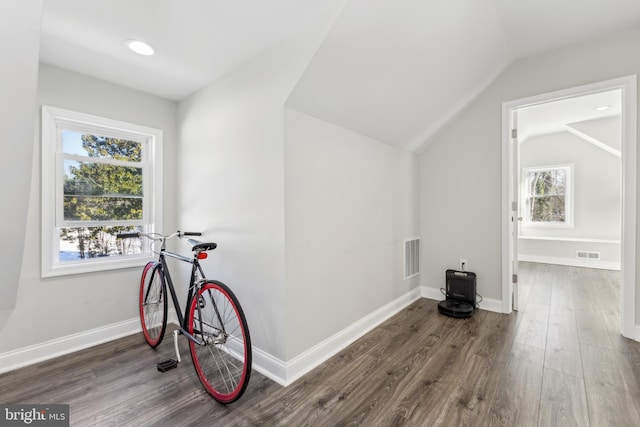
x: 514, y: 212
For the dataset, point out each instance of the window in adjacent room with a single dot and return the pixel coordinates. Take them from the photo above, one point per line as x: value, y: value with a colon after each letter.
x: 100, y: 177
x: 548, y: 196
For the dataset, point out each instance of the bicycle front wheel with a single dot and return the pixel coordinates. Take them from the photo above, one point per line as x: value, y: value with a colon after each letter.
x: 222, y: 355
x: 153, y: 304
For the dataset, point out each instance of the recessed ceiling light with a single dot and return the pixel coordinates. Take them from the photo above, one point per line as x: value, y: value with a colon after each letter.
x: 140, y: 47
x: 602, y: 107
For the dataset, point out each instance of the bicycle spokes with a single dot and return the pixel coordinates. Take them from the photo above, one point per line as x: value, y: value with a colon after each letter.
x: 208, y: 334
x: 222, y: 355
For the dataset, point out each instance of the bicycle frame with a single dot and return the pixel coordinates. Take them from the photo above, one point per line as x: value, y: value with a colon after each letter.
x: 193, y: 283
x: 197, y: 278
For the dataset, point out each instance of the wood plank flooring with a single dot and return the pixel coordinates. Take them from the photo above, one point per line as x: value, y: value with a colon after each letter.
x: 559, y: 361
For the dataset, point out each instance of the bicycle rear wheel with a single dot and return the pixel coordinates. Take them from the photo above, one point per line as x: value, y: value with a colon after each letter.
x: 222, y: 359
x: 153, y: 303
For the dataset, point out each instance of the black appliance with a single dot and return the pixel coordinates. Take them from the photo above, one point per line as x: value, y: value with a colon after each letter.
x: 460, y: 293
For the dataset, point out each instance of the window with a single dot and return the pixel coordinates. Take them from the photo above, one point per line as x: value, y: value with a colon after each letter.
x: 100, y: 177
x: 548, y: 195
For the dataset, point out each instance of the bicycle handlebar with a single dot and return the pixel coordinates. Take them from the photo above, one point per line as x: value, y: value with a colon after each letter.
x: 139, y: 234
x: 127, y: 235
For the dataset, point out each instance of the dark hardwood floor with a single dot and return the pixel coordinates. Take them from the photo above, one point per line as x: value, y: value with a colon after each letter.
x: 559, y: 361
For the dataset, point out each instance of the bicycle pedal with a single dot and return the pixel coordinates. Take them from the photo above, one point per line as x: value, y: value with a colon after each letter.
x: 167, y: 364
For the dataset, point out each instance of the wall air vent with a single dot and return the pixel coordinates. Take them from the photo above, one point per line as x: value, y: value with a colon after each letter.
x: 587, y: 255
x: 411, y: 257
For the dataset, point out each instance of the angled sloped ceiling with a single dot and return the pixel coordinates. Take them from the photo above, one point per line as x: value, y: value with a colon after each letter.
x: 196, y: 41
x: 400, y: 71
x: 394, y: 70
x: 397, y: 71
x: 538, y: 26
x: 593, y: 117
x: 605, y: 133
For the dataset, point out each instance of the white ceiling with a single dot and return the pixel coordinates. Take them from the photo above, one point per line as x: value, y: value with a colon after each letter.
x: 196, y: 41
x: 562, y: 114
x: 393, y: 70
x: 536, y: 26
x: 397, y: 70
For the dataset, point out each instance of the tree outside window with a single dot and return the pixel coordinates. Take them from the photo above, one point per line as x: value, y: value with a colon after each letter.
x: 100, y: 177
x: 96, y: 192
x: 547, y: 195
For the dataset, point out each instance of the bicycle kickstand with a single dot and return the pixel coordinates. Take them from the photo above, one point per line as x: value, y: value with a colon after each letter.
x: 175, y: 344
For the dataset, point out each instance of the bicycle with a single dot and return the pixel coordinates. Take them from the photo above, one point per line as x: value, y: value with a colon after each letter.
x: 213, y: 321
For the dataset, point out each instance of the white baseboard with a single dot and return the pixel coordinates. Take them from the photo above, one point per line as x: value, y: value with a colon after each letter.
x: 270, y: 366
x: 432, y: 293
x: 488, y: 304
x: 573, y: 262
x: 285, y: 373
x: 59, y: 347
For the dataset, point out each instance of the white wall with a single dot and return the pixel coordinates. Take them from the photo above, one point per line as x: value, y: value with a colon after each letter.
x: 293, y: 201
x: 596, y: 185
x: 350, y: 203
x: 52, y: 308
x: 563, y: 252
x: 595, y: 196
x: 232, y: 186
x: 19, y: 48
x: 461, y: 168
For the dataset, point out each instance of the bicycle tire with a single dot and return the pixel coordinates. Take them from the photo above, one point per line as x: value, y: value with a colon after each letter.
x: 223, y: 360
x: 153, y: 304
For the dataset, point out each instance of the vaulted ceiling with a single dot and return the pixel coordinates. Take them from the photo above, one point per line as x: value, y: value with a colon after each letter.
x: 393, y: 70
x: 196, y: 41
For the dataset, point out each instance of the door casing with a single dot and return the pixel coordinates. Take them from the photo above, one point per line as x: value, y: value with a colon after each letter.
x: 627, y: 85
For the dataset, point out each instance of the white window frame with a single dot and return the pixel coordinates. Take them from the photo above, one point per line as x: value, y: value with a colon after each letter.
x: 568, y: 197
x: 54, y: 122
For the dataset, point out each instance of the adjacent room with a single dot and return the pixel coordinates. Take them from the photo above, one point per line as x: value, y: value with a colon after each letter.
x: 342, y: 155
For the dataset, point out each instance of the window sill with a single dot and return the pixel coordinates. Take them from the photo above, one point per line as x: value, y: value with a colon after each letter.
x: 95, y: 266
x: 546, y: 225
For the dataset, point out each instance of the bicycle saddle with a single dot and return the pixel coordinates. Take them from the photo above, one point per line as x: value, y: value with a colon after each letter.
x: 204, y: 246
